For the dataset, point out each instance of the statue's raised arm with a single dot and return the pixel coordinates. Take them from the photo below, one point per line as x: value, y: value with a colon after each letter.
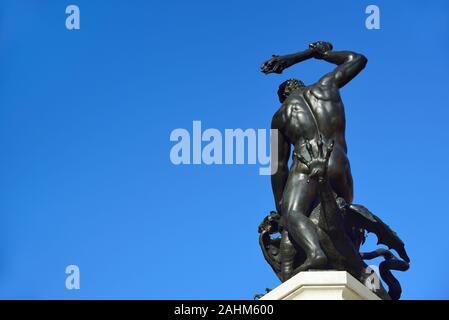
x: 349, y: 64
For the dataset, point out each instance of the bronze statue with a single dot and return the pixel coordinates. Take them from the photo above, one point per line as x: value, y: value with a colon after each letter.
x: 320, y: 228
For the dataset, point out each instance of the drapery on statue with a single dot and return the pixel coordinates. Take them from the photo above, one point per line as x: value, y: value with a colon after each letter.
x: 319, y: 227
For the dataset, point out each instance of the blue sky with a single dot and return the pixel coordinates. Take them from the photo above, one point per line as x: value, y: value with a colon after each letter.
x: 86, y: 116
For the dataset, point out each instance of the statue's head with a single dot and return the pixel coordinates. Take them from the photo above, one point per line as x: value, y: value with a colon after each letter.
x: 287, y: 87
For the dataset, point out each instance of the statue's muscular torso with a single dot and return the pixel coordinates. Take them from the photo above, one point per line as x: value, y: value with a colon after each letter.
x: 306, y: 114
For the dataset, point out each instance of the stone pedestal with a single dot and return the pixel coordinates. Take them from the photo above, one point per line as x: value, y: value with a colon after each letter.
x: 321, y: 285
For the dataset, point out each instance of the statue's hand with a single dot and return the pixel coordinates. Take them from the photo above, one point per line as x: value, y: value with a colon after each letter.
x: 276, y: 64
x: 319, y: 163
x: 320, y: 48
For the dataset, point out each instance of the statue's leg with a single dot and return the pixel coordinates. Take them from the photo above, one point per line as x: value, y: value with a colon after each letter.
x: 297, y: 200
x: 340, y: 178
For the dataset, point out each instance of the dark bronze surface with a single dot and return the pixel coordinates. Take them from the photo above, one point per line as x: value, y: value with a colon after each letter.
x: 319, y: 227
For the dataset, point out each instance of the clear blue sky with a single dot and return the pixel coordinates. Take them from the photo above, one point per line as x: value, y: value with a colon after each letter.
x: 85, y: 120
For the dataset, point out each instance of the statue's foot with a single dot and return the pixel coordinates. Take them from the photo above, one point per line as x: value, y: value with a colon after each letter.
x: 316, y: 261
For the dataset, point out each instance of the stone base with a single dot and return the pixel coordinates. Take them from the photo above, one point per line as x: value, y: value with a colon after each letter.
x: 321, y: 285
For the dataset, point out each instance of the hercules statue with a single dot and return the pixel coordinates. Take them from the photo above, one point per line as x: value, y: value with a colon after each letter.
x: 309, y: 115
x: 319, y: 226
